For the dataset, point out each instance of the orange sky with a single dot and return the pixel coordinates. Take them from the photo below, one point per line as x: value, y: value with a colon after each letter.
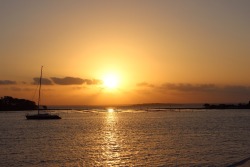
x: 186, y: 51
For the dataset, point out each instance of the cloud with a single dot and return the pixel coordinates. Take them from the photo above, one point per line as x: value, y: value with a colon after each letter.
x: 195, y: 93
x: 28, y: 89
x: 145, y: 84
x: 207, y: 88
x: 198, y: 88
x: 67, y: 81
x: 92, y: 82
x: 45, y: 81
x: 75, y: 81
x: 237, y: 89
x: 78, y: 88
x: 16, y: 89
x: 187, y: 87
x: 7, y: 82
x: 13, y: 88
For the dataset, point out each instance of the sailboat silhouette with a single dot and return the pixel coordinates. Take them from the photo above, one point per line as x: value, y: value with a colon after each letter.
x: 39, y: 115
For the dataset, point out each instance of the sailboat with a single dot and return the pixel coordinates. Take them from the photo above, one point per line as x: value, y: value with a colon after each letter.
x: 39, y: 115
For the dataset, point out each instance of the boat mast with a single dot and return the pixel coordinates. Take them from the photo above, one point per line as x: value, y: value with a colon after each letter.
x: 40, y: 85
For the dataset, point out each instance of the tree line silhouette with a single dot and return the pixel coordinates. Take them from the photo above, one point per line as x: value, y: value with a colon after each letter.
x: 227, y: 106
x: 8, y: 103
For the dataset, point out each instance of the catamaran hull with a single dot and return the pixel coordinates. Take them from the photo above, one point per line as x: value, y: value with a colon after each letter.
x: 42, y: 117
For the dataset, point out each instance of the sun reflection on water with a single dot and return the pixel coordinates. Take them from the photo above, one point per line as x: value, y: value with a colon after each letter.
x: 111, y: 147
x: 110, y: 110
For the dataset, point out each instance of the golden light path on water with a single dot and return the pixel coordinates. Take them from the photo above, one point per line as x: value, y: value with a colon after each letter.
x: 111, y: 148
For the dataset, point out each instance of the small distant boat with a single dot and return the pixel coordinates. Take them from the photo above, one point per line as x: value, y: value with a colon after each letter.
x: 42, y: 116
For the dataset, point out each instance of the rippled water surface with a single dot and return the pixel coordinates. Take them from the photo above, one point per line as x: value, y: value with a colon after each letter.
x: 126, y: 138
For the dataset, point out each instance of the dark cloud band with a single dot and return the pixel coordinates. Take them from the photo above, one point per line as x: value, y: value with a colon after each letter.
x: 75, y: 81
x: 67, y: 81
x: 7, y: 82
x: 45, y: 81
x: 188, y: 87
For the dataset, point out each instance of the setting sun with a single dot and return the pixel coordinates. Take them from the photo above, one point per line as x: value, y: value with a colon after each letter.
x: 110, y: 81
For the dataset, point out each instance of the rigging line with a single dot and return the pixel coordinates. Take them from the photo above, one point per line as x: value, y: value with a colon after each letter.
x: 37, y: 85
x: 40, y: 85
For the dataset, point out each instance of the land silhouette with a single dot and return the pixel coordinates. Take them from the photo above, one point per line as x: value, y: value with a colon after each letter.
x: 8, y: 103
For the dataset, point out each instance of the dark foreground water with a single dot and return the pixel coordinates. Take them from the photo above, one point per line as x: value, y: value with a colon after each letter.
x: 126, y: 138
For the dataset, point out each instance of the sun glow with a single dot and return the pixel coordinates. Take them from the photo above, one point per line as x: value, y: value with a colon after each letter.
x: 110, y: 81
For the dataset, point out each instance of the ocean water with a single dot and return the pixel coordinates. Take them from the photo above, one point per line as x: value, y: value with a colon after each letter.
x: 126, y: 138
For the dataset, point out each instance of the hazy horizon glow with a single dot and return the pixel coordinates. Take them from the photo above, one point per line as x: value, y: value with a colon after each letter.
x: 186, y: 51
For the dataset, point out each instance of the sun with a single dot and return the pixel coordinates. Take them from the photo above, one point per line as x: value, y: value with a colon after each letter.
x: 110, y: 81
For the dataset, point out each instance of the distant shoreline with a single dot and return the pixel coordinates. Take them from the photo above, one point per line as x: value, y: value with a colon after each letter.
x: 138, y: 109
x: 8, y: 103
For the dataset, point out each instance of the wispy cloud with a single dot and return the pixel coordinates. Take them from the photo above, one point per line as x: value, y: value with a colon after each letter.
x: 92, y: 82
x: 237, y: 89
x: 145, y: 84
x: 16, y: 89
x: 196, y: 88
x: 77, y: 88
x: 12, y: 88
x: 7, y: 82
x: 207, y: 88
x: 187, y: 87
x: 45, y: 81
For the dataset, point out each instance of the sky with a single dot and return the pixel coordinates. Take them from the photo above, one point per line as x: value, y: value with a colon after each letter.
x: 112, y: 52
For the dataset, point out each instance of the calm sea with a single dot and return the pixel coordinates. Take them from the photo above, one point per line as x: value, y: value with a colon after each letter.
x: 126, y: 138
